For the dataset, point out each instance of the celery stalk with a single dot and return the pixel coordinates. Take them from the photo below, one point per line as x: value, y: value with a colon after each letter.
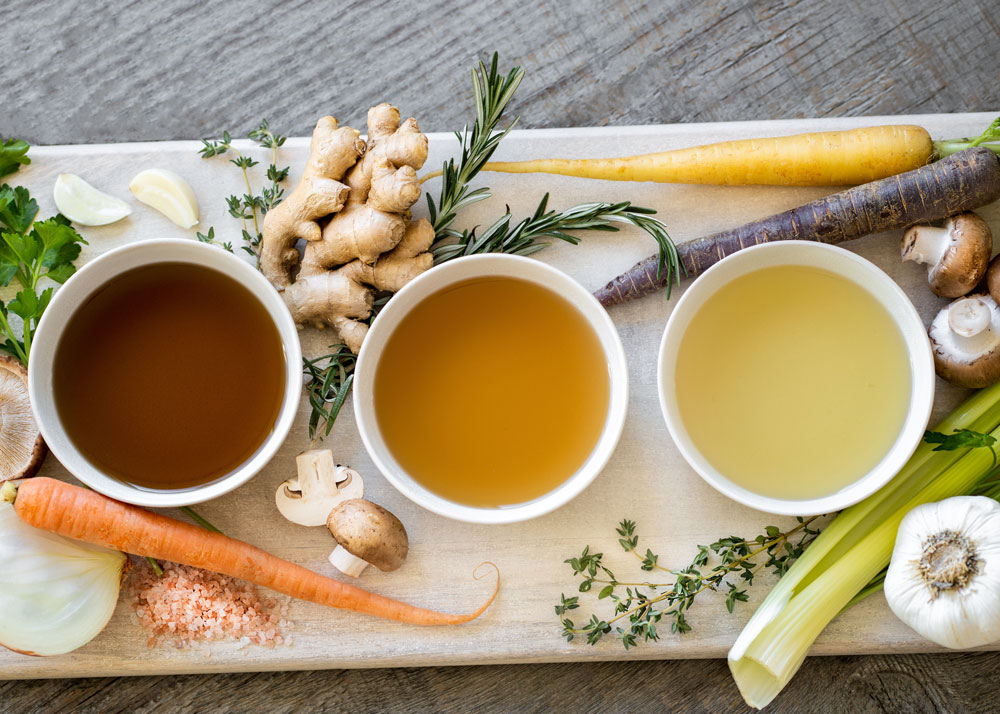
x: 852, y: 550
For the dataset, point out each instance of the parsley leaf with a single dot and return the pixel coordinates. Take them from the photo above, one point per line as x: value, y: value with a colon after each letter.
x: 29, y: 252
x: 962, y: 439
x: 17, y: 208
x: 959, y: 439
x: 13, y: 153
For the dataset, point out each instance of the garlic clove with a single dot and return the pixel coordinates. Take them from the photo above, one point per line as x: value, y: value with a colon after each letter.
x: 168, y: 193
x: 82, y: 203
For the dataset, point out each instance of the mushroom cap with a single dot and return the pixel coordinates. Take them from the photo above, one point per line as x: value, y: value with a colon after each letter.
x: 308, y: 498
x: 972, y: 362
x: 22, y: 448
x: 369, y: 532
x: 993, y: 279
x: 961, y: 261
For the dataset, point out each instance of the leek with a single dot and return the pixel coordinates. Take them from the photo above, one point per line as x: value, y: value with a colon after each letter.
x: 850, y: 552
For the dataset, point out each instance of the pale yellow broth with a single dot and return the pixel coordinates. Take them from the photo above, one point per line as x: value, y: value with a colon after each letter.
x: 792, y: 382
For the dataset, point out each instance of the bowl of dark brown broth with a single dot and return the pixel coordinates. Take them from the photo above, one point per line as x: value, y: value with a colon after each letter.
x: 491, y: 389
x: 165, y: 373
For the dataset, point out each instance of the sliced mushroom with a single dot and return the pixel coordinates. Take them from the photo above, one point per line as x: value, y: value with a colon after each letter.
x: 957, y: 253
x: 966, y: 341
x: 366, y: 534
x: 22, y: 448
x: 318, y: 488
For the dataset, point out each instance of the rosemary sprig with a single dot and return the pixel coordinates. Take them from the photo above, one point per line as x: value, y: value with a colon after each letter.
x: 523, y: 238
x: 644, y: 603
x: 492, y: 93
x: 330, y: 380
x: 250, y: 207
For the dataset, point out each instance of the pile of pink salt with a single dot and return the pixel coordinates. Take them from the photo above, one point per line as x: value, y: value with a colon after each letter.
x: 185, y: 606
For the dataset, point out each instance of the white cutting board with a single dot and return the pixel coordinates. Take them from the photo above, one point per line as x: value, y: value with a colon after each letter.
x: 646, y: 480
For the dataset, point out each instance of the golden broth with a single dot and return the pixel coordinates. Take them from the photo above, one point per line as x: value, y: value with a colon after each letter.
x: 792, y: 382
x: 492, y: 392
x: 169, y: 376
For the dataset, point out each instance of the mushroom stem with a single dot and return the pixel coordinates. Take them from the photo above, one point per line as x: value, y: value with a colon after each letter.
x: 925, y: 244
x: 346, y: 562
x: 969, y: 317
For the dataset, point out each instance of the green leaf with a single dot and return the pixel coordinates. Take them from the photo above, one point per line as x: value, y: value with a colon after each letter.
x: 25, y: 305
x: 13, y: 155
x: 960, y: 439
x: 17, y: 208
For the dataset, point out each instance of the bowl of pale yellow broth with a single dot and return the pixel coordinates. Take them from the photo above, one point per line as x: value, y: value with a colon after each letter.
x: 795, y: 377
x: 491, y: 389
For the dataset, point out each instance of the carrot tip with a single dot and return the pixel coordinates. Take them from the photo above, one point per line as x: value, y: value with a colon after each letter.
x: 477, y: 575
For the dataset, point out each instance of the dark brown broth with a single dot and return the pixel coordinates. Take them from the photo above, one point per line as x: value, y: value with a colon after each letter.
x: 170, y: 376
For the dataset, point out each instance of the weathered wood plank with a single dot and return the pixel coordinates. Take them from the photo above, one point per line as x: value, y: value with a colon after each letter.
x: 113, y: 71
x: 108, y: 70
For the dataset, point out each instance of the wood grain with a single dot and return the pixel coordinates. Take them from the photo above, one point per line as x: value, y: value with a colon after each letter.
x: 91, y: 72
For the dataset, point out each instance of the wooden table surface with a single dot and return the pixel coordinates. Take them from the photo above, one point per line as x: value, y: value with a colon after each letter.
x: 78, y: 72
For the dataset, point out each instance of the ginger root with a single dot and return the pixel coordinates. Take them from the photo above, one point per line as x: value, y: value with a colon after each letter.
x: 352, y: 208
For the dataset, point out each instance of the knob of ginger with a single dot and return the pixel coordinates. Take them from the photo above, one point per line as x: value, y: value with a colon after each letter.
x: 352, y: 207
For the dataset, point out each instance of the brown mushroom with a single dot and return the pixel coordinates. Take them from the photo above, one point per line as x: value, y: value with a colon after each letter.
x: 366, y: 534
x: 22, y: 448
x: 965, y: 336
x: 958, y: 253
x: 993, y: 279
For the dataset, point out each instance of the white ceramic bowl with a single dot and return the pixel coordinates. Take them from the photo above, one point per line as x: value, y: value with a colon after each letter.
x: 849, y: 266
x: 431, y: 282
x: 87, y: 281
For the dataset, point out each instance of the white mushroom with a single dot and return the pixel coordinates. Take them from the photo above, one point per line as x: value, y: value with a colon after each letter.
x: 366, y: 534
x: 318, y: 488
x: 966, y: 341
x: 958, y: 253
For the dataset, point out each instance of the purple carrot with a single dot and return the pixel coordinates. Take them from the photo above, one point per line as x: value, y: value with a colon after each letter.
x: 960, y: 182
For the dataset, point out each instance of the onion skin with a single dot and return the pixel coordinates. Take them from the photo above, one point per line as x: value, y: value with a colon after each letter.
x: 56, y: 594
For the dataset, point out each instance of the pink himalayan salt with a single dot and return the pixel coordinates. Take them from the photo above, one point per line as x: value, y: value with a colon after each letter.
x: 187, y: 605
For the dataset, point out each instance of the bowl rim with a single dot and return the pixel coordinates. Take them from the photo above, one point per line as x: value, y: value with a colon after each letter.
x: 903, y: 314
x: 471, y: 267
x: 81, y: 286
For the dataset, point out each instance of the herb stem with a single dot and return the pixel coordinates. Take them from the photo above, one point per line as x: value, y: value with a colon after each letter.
x: 199, y: 520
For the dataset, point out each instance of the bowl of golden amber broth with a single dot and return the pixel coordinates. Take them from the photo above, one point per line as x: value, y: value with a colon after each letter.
x: 491, y: 389
x: 165, y: 373
x: 796, y: 377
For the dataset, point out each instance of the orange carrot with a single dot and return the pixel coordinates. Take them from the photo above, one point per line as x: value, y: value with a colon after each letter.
x: 77, y: 513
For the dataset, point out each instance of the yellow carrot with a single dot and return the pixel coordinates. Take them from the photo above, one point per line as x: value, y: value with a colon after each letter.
x: 828, y: 158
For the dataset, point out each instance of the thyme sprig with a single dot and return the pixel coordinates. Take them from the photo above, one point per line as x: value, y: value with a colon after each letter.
x: 640, y: 605
x: 251, y: 207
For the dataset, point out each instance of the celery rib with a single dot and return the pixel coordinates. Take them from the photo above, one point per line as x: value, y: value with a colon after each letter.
x: 850, y: 551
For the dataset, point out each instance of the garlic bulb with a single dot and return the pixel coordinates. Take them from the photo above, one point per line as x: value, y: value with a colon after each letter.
x: 56, y: 594
x: 944, y: 577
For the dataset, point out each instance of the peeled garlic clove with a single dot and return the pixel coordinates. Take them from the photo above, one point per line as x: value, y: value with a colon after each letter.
x: 168, y: 193
x: 56, y: 594
x: 82, y: 203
